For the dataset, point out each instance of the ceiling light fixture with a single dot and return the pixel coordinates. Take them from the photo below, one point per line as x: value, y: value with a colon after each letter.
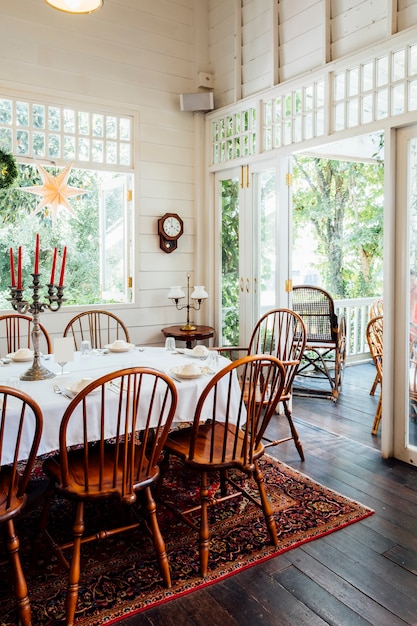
x: 76, y: 6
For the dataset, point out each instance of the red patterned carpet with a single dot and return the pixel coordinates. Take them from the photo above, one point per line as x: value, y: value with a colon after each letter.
x: 119, y: 576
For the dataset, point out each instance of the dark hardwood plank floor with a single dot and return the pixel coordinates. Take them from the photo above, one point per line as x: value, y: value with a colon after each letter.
x: 363, y: 574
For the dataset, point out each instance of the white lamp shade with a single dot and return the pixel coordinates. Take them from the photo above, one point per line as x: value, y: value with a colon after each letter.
x: 76, y: 6
x: 176, y: 293
x: 199, y: 293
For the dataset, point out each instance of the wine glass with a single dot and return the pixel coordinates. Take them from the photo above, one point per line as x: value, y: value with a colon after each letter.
x: 62, y: 364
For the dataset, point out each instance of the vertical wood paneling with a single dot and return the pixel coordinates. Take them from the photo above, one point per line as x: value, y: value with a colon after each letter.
x: 222, y: 42
x: 356, y: 24
x: 301, y: 36
x: 257, y: 51
x: 130, y: 56
x: 407, y: 14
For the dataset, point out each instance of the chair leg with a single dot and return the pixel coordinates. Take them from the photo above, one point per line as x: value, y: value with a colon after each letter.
x: 74, y: 573
x: 293, y: 429
x: 378, y: 415
x: 157, y: 538
x: 21, y: 590
x: 266, y: 505
x: 204, y: 525
x: 374, y: 385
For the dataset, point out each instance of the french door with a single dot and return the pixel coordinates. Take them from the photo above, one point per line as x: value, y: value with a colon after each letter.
x: 253, y: 226
x: 405, y: 332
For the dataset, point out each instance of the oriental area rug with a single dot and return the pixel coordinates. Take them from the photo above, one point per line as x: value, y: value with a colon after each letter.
x: 119, y: 576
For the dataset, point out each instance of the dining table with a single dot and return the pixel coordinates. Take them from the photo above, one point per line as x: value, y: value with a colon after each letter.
x: 92, y: 366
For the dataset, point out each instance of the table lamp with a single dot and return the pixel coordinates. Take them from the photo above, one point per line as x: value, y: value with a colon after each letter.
x: 198, y: 295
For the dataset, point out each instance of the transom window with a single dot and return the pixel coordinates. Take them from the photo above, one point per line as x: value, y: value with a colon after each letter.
x: 36, y: 129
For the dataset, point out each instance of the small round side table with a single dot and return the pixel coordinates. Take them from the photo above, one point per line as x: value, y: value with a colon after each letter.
x: 201, y: 332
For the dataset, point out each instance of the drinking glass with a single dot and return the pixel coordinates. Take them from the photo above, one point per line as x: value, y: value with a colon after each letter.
x: 170, y: 344
x: 213, y: 361
x: 85, y: 347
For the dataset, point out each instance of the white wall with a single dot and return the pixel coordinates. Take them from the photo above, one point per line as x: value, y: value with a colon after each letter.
x: 134, y: 56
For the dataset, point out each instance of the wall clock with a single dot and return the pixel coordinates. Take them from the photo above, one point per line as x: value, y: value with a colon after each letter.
x: 170, y: 229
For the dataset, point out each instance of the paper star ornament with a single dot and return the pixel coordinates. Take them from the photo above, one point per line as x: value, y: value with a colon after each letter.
x: 55, y: 192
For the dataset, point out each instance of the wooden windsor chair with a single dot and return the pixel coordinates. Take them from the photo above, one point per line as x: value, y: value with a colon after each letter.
x: 280, y: 333
x: 98, y: 327
x: 18, y: 412
x: 118, y: 469
x: 16, y: 332
x: 231, y: 438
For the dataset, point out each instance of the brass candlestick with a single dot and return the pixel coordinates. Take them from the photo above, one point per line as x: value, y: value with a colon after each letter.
x: 55, y: 298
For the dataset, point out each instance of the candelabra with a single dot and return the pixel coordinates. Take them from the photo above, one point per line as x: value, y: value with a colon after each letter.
x: 199, y: 294
x: 55, y: 298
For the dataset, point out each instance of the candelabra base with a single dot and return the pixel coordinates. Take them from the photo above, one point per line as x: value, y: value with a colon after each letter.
x: 37, y: 372
x: 188, y: 327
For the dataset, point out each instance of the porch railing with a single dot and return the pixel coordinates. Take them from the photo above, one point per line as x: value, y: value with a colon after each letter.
x: 356, y: 312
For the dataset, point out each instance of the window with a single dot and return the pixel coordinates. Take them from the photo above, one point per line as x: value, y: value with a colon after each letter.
x: 96, y: 225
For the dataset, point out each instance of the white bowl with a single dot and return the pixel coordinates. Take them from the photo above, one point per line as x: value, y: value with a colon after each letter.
x: 119, y: 346
x: 23, y: 354
x: 189, y: 371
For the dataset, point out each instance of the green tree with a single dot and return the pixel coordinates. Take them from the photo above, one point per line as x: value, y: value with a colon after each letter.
x: 343, y: 201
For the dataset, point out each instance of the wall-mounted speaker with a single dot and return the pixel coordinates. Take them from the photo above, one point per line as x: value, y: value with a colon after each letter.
x: 202, y: 101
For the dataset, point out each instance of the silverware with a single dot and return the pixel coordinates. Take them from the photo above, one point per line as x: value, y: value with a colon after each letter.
x: 175, y: 377
x: 61, y: 392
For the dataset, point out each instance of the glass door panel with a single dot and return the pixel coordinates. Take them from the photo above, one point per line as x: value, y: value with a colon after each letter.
x: 405, y: 332
x: 247, y: 203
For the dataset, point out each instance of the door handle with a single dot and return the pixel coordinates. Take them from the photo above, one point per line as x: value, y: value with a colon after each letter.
x: 247, y: 285
x: 241, y: 285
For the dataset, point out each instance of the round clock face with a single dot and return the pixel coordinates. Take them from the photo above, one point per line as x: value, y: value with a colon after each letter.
x: 171, y: 226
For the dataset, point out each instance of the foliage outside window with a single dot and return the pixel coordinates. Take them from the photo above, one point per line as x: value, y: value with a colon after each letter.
x: 95, y: 239
x: 338, y: 226
x: 99, y: 145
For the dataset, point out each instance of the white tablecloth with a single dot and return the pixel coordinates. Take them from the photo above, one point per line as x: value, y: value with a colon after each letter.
x: 93, y: 366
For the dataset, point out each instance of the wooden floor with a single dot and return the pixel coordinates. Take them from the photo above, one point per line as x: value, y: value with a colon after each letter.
x: 363, y: 574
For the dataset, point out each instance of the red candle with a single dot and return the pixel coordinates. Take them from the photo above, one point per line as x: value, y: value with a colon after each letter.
x: 36, y: 269
x: 64, y: 259
x: 19, y: 268
x: 12, y: 274
x: 51, y: 282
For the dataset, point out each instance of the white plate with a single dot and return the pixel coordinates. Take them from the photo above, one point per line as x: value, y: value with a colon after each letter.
x: 125, y: 348
x: 178, y: 371
x: 18, y: 359
x: 191, y: 354
x: 74, y: 387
